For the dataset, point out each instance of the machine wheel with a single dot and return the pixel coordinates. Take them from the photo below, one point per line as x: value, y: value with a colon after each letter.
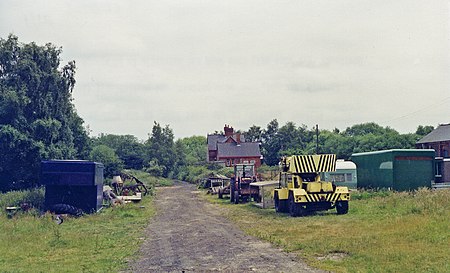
x: 236, y: 197
x: 256, y: 198
x: 66, y: 209
x: 294, y: 208
x: 276, y: 200
x: 220, y: 193
x: 280, y: 205
x: 342, y: 207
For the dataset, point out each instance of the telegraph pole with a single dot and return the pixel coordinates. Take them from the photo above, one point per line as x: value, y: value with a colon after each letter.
x: 317, y: 138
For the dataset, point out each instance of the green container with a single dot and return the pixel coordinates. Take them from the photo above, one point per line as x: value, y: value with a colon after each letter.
x: 399, y: 169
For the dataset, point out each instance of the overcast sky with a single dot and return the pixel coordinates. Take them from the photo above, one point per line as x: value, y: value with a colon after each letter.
x: 197, y: 65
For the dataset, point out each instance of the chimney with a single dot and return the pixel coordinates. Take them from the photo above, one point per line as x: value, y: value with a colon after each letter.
x: 228, y: 130
x: 238, y: 138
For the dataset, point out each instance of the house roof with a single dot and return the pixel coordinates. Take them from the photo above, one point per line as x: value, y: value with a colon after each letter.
x: 245, y: 149
x: 213, y: 139
x: 441, y: 133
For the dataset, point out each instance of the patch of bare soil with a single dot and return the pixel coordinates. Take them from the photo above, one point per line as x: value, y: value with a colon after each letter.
x: 334, y: 256
x: 188, y: 234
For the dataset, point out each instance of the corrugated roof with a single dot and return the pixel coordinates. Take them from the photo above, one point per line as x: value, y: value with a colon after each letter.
x: 441, y: 133
x: 245, y: 149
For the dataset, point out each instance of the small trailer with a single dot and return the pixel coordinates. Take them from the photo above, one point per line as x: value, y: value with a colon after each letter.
x: 214, y: 182
x: 72, y: 186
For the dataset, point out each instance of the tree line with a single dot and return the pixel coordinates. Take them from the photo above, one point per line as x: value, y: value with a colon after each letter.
x: 291, y: 139
x: 38, y: 121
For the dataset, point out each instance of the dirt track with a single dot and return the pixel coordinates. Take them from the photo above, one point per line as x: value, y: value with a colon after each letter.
x: 189, y: 234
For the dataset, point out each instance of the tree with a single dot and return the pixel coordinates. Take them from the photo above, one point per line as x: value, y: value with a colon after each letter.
x: 127, y: 147
x: 253, y: 134
x: 107, y: 156
x: 18, y: 159
x: 194, y: 149
x: 366, y: 128
x: 36, y: 110
x: 161, y: 149
x: 424, y: 130
x: 271, y: 144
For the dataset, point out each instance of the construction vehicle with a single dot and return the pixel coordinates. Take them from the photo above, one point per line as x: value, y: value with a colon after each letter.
x: 300, y: 190
x: 240, y: 189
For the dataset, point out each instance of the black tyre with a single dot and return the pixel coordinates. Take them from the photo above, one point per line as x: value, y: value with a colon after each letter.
x: 276, y: 200
x: 342, y: 207
x: 256, y: 198
x: 220, y: 194
x: 294, y: 208
x: 281, y: 204
x: 66, y: 209
x: 236, y: 197
x: 231, y: 195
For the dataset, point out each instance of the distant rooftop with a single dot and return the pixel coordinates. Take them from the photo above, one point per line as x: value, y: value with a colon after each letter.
x: 441, y: 133
x: 245, y: 149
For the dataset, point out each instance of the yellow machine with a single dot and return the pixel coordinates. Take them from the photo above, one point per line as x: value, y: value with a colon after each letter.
x: 300, y: 190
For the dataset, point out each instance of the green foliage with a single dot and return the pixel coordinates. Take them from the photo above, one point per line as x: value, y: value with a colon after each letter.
x: 37, y: 118
x: 33, y: 197
x: 20, y: 157
x: 193, y: 173
x: 270, y: 143
x: 291, y: 139
x: 194, y: 149
x: 127, y: 147
x: 424, y: 130
x: 253, y: 134
x: 149, y: 180
x: 154, y: 168
x: 107, y: 156
x: 161, y: 154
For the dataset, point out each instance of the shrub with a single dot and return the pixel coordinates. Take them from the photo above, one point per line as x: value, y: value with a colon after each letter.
x: 33, y: 197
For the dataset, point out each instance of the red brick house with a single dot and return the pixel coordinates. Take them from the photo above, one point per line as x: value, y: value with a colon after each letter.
x: 231, y: 148
x: 439, y: 140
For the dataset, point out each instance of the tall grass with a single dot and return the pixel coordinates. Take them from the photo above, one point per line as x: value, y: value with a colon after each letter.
x: 102, y: 242
x: 383, y: 232
x: 32, y: 197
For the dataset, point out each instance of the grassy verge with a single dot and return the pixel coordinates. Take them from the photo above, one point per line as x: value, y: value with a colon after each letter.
x: 101, y: 242
x: 383, y: 232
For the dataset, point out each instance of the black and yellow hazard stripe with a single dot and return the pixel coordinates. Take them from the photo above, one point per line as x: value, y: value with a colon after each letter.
x: 330, y: 197
x: 313, y: 163
x: 333, y: 197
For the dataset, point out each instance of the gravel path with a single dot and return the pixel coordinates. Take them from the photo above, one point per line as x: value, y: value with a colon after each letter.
x: 189, y: 234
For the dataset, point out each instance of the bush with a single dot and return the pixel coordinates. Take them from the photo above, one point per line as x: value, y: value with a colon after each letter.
x: 33, y: 197
x: 194, y: 173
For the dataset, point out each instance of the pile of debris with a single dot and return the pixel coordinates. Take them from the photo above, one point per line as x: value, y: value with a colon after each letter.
x: 120, y: 193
